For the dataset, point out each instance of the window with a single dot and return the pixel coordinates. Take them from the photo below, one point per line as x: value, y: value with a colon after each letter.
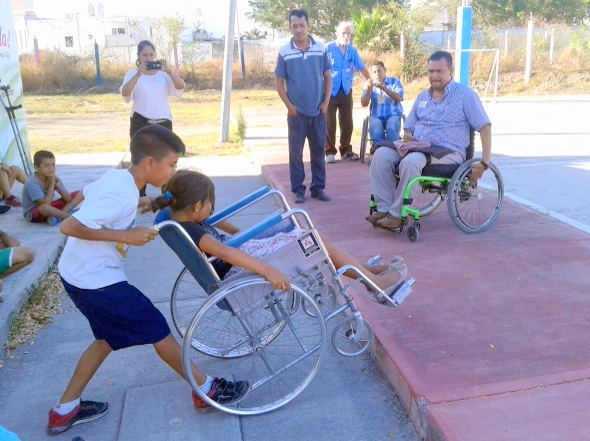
x: 118, y: 31
x: 69, y: 41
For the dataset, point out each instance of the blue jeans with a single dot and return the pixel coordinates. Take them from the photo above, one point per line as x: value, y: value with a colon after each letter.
x: 314, y: 129
x: 381, y: 128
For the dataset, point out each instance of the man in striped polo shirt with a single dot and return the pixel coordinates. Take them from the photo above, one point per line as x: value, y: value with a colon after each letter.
x: 304, y: 83
x: 442, y: 116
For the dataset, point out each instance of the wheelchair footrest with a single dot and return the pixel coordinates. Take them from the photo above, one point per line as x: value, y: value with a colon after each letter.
x: 398, y: 296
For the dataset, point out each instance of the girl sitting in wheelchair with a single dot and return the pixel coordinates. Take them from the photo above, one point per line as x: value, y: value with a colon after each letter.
x: 191, y: 198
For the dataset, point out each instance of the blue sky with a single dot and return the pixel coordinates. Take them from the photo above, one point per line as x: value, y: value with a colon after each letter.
x: 207, y: 12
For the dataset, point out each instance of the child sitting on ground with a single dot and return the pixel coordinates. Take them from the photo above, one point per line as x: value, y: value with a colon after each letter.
x: 191, y: 197
x: 13, y: 257
x: 8, y: 175
x: 91, y: 269
x: 38, y: 193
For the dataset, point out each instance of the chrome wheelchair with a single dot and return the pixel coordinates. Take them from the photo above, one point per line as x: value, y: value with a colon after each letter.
x: 473, y: 206
x: 241, y: 328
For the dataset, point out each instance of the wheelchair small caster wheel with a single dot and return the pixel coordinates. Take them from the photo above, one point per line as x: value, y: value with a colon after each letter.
x: 348, y: 340
x: 414, y: 232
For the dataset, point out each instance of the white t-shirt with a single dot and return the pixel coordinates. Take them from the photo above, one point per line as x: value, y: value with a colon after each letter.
x: 110, y: 202
x: 150, y: 94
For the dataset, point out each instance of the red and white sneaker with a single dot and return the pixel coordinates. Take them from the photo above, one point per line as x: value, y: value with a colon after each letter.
x: 85, y: 412
x: 12, y: 201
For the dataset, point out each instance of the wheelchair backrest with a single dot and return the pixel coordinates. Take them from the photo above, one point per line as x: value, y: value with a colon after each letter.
x: 189, y: 254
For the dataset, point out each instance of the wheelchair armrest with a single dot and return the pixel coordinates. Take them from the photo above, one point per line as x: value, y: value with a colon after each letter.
x: 238, y: 205
x: 249, y: 233
x: 164, y: 214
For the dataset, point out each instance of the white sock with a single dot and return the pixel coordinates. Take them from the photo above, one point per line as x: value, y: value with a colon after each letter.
x: 206, y: 386
x: 65, y: 408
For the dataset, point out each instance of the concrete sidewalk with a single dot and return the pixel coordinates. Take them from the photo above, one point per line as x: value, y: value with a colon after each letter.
x: 348, y: 398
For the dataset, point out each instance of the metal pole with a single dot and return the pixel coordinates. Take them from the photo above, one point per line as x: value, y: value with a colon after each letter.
x: 528, y: 68
x: 240, y: 46
x: 551, y: 43
x: 97, y: 61
x: 36, y: 50
x: 463, y: 44
x: 227, y: 74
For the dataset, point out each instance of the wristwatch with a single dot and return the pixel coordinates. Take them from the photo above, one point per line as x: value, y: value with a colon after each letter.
x: 485, y: 165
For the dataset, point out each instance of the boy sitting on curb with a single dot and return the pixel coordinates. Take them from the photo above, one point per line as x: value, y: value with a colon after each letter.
x: 37, y: 198
x: 91, y: 269
x: 13, y: 257
x: 8, y: 175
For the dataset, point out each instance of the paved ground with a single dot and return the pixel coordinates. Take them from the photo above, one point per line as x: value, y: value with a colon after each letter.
x: 348, y: 399
x: 490, y: 346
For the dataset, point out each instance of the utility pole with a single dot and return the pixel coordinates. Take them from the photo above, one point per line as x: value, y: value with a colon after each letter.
x: 227, y: 74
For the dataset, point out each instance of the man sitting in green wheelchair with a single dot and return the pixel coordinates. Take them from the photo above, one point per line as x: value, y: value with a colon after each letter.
x: 442, y: 116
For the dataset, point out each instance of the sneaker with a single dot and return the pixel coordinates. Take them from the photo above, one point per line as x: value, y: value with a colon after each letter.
x: 299, y: 197
x: 12, y: 201
x: 83, y: 413
x: 330, y: 159
x: 53, y: 221
x: 321, y: 196
x: 350, y: 156
x: 376, y: 216
x: 4, y: 209
x: 222, y: 392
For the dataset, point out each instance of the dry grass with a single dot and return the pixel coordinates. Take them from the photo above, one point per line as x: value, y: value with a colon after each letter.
x: 42, y: 305
x: 85, y: 123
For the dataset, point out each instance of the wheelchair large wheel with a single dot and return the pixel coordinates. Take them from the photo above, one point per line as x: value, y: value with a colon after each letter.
x: 277, y: 369
x: 348, y: 340
x: 364, y: 138
x: 187, y: 297
x: 426, y: 197
x: 474, y: 207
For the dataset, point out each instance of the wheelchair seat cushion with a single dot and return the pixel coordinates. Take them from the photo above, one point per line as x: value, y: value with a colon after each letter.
x: 440, y: 170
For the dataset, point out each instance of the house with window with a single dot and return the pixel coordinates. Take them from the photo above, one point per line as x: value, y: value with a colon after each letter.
x: 76, y: 33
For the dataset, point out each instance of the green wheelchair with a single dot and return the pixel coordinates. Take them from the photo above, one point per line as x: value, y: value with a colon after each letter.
x: 473, y: 206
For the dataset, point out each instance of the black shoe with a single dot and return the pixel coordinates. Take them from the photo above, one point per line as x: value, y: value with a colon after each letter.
x: 299, y: 197
x: 350, y: 156
x: 320, y: 196
x: 4, y: 209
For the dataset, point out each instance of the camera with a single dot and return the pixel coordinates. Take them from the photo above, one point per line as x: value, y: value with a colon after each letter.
x: 153, y: 65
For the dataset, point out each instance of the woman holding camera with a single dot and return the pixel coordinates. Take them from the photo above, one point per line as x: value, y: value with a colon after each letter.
x: 149, y: 87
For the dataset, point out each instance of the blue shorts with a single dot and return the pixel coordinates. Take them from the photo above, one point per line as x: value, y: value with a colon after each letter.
x: 120, y: 314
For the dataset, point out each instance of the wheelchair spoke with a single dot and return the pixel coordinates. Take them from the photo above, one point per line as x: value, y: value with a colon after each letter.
x: 281, y: 346
x: 475, y: 206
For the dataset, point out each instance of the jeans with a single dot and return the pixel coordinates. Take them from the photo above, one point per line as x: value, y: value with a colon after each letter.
x: 380, y: 129
x: 314, y: 129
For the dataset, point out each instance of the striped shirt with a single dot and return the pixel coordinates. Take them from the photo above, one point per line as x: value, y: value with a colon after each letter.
x: 447, y: 123
x: 303, y: 72
x: 381, y: 105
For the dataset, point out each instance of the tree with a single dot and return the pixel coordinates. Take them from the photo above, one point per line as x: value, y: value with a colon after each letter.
x: 254, y: 34
x: 494, y: 13
x: 324, y: 15
x: 380, y: 32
